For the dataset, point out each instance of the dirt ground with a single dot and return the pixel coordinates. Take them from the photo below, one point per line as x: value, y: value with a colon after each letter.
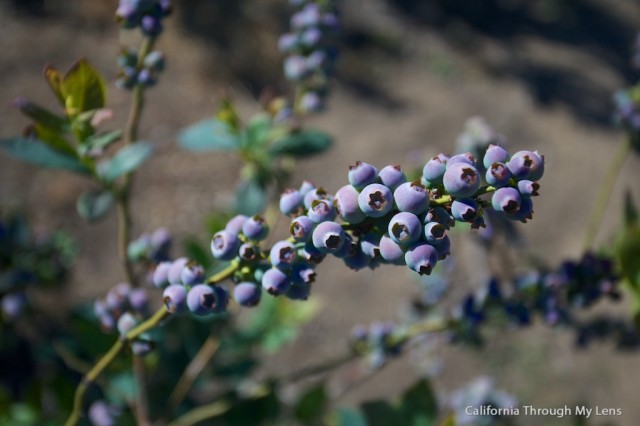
x: 410, y: 76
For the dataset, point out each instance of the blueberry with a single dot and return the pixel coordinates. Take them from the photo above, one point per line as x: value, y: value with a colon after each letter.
x: 303, y: 273
x: 434, y: 232
x: 421, y: 258
x: 466, y: 158
x: 528, y: 188
x: 498, y: 175
x: 249, y: 252
x: 255, y: 228
x: 151, y: 25
x: 375, y: 200
x: 311, y: 102
x: 235, y: 225
x: 313, y: 195
x: 440, y: 215
x: 224, y: 245
x: 305, y: 187
x: 126, y: 322
x: 461, y: 179
x: 191, y: 274
x: 101, y: 414
x: 526, y: 165
x: 434, y: 169
x: 370, y: 245
x: 201, y: 300
x: 346, y: 202
x: 222, y: 299
x: 302, y: 228
x: 311, y: 254
x: 411, y: 197
x: 291, y: 202
x: 160, y: 241
x: 405, y: 228
x: 347, y: 248
x: 311, y: 37
x: 139, y: 300
x: 506, y: 200
x: 295, y: 68
x: 494, y: 154
x: 160, y: 274
x: 13, y: 304
x: 298, y: 292
x: 175, y: 298
x: 247, y: 294
x: 464, y: 209
x: 362, y: 174
x: 328, y: 237
x: 174, y: 274
x: 117, y: 298
x: 524, y: 212
x: 287, y: 43
x: 391, y: 251
x: 282, y: 254
x: 392, y: 176
x: 443, y: 247
x: 316, y: 60
x: 275, y: 282
x: 322, y: 211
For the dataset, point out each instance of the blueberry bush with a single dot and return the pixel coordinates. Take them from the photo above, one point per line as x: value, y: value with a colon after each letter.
x: 164, y: 346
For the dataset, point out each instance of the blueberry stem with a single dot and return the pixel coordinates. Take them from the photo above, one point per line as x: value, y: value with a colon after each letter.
x: 604, y: 192
x: 224, y: 274
x: 107, y: 359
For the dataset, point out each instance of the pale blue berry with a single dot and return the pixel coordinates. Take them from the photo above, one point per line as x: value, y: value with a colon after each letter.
x: 421, y: 258
x: 411, y: 197
x: 291, y: 202
x: 275, y: 282
x: 362, y: 174
x: 255, y: 228
x: 464, y: 209
x: 375, y: 200
x: 495, y: 154
x: 302, y: 228
x: 224, y: 245
x: 461, y: 179
x: 506, y: 200
x: 282, y: 254
x: 498, y: 175
x: 391, y: 176
x: 322, y: 211
x: 175, y: 298
x: 405, y: 228
x: 346, y: 202
x: 247, y: 294
x: 328, y: 237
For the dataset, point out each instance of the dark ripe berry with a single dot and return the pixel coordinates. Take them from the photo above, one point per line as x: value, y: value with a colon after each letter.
x: 370, y: 245
x: 461, y: 179
x: 117, y: 298
x: 291, y: 202
x: 405, y: 228
x: 302, y: 228
x: 174, y: 274
x: 295, y: 68
x: 391, y: 251
x: 255, y: 228
x: 528, y: 188
x: 191, y: 274
x: 526, y: 165
x: 464, y: 209
x: 249, y: 252
x: 282, y: 254
x: 224, y: 245
x: 222, y: 299
x: 434, y: 232
x: 247, y: 294
x: 175, y: 298
x: 411, y: 197
x: 375, y: 200
x: 443, y: 247
x: 313, y: 195
x: 303, y: 273
x: 328, y: 237
x: 126, y: 322
x: 440, y: 215
x: 151, y: 25
x: 346, y: 202
x: 322, y: 211
x: 161, y: 274
x: 139, y: 300
x: 434, y: 169
x: 356, y: 261
x: 347, y: 248
x: 235, y: 225
x: 201, y: 300
x: 524, y: 212
x: 392, y: 176
x: 421, y: 258
x: 506, y: 200
x: 495, y: 154
x: 362, y: 174
x: 498, y: 175
x: 298, y: 292
x: 275, y: 282
x: 311, y: 254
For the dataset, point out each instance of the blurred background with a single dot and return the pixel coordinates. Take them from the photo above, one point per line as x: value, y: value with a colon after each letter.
x: 542, y: 72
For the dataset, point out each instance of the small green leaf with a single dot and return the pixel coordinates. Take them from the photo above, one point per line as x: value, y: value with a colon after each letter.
x: 125, y: 161
x: 83, y: 88
x: 311, y: 405
x: 94, y: 205
x: 37, y: 152
x: 302, y: 144
x: 380, y: 413
x: 54, y: 78
x: 257, y: 132
x: 350, y: 417
x: 54, y: 139
x: 250, y: 199
x: 41, y: 115
x: 419, y: 405
x: 209, y: 135
x: 100, y: 141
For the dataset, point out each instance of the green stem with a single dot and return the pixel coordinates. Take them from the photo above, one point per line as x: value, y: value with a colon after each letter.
x: 200, y: 414
x: 604, y: 192
x: 224, y: 274
x: 107, y: 359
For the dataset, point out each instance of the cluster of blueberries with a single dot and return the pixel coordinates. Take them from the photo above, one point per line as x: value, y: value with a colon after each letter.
x: 151, y: 248
x: 311, y: 51
x: 148, y: 15
x: 378, y: 341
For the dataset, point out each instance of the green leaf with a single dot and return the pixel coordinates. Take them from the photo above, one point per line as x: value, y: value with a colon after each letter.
x: 311, y: 405
x: 630, y: 210
x: 380, y: 413
x: 37, y: 152
x: 302, y: 144
x: 100, y: 141
x: 419, y: 405
x: 350, y: 417
x: 209, y: 135
x: 125, y: 161
x: 257, y: 132
x: 83, y: 88
x: 54, y: 139
x: 41, y: 115
x: 250, y: 199
x: 94, y: 205
x: 196, y: 251
x: 123, y: 388
x: 54, y: 78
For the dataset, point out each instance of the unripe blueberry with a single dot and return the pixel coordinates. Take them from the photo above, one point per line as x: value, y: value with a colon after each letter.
x: 526, y: 165
x: 275, y: 282
x: 175, y: 298
x: 201, y: 300
x: 298, y: 292
x: 434, y: 169
x: 391, y: 251
x: 126, y: 322
x: 236, y: 223
x: 224, y: 245
x: 255, y: 228
x: 295, y: 68
x: 370, y: 245
x: 506, y: 200
x: 498, y: 175
x: 391, y: 176
x: 160, y: 274
x: 375, y: 200
x: 495, y: 154
x: 405, y: 228
x: 247, y: 294
x: 440, y: 215
x: 191, y: 274
x: 303, y: 273
x: 302, y: 228
x: 282, y: 254
x: 421, y: 258
x: 249, y: 252
x: 362, y: 174
x: 443, y: 247
x: 411, y: 197
x: 328, y: 237
x: 139, y: 300
x: 346, y: 202
x: 528, y: 188
x: 313, y: 195
x: 461, y: 179
x: 174, y: 275
x: 322, y: 211
x: 434, y: 232
x: 465, y: 157
x: 291, y: 202
x: 287, y: 43
x: 524, y: 212
x: 464, y: 209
